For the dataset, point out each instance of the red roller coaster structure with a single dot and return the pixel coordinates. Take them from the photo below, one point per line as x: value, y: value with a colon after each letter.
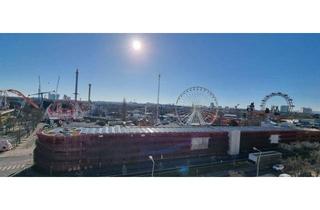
x: 18, y: 93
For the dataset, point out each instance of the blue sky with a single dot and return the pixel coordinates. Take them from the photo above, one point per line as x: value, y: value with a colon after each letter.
x: 237, y: 68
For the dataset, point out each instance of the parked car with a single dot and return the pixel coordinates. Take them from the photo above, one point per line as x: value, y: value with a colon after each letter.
x: 284, y: 175
x: 101, y: 123
x: 278, y: 167
x: 5, y: 145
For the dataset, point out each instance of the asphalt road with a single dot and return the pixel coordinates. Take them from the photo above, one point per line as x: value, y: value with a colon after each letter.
x: 12, y: 165
x: 19, y: 158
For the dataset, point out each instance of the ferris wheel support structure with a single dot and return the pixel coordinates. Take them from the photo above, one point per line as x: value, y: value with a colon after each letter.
x: 288, y: 100
x: 196, y: 106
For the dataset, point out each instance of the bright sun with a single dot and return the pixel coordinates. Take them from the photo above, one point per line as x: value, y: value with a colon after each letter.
x: 136, y: 45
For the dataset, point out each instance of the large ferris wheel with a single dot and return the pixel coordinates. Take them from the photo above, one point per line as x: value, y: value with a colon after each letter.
x: 196, y: 106
x: 288, y: 100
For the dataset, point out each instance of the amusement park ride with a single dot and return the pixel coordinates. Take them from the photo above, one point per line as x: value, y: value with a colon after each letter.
x: 196, y: 106
x: 4, y: 95
x: 288, y: 100
x: 11, y: 112
x: 66, y: 110
x: 56, y: 111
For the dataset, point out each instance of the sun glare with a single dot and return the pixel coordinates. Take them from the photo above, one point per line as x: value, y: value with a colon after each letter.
x: 136, y: 45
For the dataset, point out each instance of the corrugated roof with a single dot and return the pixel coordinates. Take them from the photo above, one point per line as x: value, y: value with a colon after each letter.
x: 155, y: 130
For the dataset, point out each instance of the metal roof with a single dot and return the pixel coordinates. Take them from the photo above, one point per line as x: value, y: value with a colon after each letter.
x: 156, y: 130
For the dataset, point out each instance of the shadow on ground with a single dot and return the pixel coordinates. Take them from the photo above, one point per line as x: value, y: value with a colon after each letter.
x: 29, y: 172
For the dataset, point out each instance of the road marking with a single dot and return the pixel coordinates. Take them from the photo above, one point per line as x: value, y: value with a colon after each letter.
x: 12, y: 167
x: 4, y: 168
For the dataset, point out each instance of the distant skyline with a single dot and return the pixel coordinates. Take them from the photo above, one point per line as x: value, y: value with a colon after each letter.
x: 237, y: 68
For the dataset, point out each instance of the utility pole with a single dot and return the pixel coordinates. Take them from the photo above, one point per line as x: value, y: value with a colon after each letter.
x: 124, y: 110
x: 18, y: 141
x: 39, y: 88
x: 157, y: 115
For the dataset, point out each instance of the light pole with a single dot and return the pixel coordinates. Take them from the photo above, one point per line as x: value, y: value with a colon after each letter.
x: 157, y: 120
x: 151, y: 158
x: 258, y: 161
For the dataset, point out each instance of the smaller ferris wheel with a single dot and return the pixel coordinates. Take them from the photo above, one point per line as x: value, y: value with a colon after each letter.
x: 285, y: 96
x: 196, y: 106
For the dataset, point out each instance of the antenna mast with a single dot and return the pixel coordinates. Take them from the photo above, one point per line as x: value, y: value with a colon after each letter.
x: 157, y: 117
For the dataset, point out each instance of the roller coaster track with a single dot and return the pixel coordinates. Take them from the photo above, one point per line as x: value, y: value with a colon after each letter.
x: 28, y: 100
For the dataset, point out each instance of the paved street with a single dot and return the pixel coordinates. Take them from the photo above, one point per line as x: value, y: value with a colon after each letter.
x: 19, y: 158
x: 9, y: 167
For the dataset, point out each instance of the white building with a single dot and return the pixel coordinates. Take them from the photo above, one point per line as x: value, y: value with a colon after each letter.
x: 306, y: 110
x: 53, y: 96
x: 284, y: 108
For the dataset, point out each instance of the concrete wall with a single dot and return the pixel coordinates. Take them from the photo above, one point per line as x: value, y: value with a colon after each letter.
x: 234, y: 142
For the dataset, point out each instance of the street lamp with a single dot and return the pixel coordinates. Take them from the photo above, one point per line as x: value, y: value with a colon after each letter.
x: 151, y: 158
x: 258, y: 161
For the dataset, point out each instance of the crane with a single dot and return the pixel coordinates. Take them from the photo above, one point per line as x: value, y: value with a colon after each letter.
x: 56, y: 91
x: 41, y: 96
x: 57, y: 84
